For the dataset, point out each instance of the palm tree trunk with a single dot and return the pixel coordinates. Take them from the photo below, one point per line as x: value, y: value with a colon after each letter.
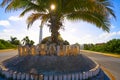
x: 54, y: 34
x: 40, y: 34
x: 54, y: 27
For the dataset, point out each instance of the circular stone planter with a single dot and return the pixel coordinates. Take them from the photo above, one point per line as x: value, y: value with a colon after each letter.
x: 50, y: 67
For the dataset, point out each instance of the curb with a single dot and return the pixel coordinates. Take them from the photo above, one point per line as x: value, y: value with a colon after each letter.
x: 108, y: 73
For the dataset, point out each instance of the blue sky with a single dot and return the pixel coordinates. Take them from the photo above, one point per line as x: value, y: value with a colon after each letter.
x: 82, y: 32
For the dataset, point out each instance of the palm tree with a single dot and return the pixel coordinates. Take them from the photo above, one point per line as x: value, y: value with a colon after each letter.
x: 14, y: 40
x: 27, y: 41
x: 53, y: 12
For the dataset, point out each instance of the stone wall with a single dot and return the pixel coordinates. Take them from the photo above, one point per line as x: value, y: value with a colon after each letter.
x: 43, y: 49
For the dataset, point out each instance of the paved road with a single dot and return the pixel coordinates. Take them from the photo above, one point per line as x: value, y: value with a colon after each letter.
x: 110, y: 63
x: 7, y: 54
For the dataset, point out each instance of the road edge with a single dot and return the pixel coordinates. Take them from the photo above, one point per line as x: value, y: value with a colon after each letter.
x: 107, y: 72
x: 6, y: 50
x: 106, y: 54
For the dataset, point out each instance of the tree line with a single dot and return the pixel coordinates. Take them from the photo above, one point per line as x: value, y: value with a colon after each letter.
x: 14, y: 42
x: 112, y: 46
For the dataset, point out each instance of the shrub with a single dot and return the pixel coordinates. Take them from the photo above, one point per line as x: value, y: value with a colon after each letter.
x: 6, y: 45
x: 2, y: 46
x: 112, y: 46
x: 47, y: 40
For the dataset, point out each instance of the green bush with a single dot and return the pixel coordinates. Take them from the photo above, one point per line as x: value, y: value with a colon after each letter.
x: 112, y: 46
x: 88, y: 46
x: 47, y: 40
x: 6, y: 44
x: 2, y: 46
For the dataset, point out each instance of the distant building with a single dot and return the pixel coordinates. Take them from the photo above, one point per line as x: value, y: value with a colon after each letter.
x: 100, y: 43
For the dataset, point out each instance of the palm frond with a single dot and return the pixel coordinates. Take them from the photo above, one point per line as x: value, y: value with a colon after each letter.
x: 94, y: 18
x: 5, y: 2
x: 19, y: 4
x: 106, y: 6
x: 93, y: 11
x: 45, y: 18
x: 33, y: 17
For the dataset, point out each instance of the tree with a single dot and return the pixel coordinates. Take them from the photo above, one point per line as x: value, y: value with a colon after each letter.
x: 66, y: 42
x: 88, y: 46
x: 27, y: 41
x: 13, y: 40
x: 113, y: 46
x: 54, y: 12
x: 6, y: 44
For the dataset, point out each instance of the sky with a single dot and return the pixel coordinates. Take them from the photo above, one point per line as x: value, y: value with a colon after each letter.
x: 74, y: 31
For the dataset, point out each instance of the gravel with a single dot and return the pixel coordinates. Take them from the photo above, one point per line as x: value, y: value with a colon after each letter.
x: 50, y: 64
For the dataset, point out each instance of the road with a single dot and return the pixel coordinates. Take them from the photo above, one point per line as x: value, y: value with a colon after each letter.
x: 110, y: 63
x: 7, y: 54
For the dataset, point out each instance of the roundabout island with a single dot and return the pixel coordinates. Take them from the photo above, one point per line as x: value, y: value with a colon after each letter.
x: 42, y: 62
x: 56, y: 61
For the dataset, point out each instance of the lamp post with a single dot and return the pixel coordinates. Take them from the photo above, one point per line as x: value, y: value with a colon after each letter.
x: 40, y: 34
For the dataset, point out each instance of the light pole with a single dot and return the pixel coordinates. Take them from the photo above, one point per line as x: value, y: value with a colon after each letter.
x: 40, y: 34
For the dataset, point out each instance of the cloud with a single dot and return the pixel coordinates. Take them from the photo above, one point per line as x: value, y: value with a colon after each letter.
x: 112, y: 27
x: 102, y: 37
x: 118, y: 32
x: 14, y: 18
x: 86, y: 39
x: 72, y: 30
x: 8, y: 30
x: 4, y: 23
x: 109, y: 35
x: 6, y: 33
x: 90, y: 38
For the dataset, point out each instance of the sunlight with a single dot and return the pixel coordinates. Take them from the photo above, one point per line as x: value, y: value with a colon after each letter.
x: 52, y: 7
